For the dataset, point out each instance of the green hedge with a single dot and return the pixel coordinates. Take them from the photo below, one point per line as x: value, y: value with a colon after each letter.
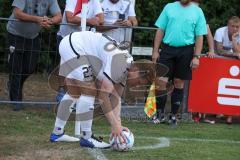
x: 216, y: 11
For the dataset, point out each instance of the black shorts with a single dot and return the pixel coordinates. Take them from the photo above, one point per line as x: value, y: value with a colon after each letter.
x: 178, y: 60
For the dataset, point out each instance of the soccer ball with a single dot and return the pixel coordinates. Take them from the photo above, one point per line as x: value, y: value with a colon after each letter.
x: 116, y: 145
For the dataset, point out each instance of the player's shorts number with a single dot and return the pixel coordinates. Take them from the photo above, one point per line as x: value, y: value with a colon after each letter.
x: 87, y: 72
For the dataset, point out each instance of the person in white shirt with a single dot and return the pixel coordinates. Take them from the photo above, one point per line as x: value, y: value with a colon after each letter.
x: 94, y: 64
x: 227, y: 39
x: 95, y: 17
x: 118, y: 12
x: 227, y: 43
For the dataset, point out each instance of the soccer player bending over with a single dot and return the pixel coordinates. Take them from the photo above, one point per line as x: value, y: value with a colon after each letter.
x: 95, y: 66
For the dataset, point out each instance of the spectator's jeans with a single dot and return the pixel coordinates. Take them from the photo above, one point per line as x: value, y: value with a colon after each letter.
x: 23, y: 58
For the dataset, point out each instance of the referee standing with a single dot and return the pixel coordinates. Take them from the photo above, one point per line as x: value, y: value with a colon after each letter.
x: 181, y: 27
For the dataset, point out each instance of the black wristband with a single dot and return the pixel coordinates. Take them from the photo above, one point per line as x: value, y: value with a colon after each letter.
x: 197, y: 56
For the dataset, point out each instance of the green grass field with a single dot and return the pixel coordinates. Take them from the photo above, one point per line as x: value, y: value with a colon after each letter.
x: 25, y: 135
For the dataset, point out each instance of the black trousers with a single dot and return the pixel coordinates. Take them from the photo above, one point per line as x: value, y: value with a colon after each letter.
x: 23, y: 58
x: 54, y: 56
x: 178, y: 60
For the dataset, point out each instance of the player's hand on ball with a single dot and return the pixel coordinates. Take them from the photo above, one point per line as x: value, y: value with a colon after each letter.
x: 125, y: 129
x: 126, y: 145
x: 117, y: 133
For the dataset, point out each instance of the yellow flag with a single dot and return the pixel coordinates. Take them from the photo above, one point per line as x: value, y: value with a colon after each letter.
x: 150, y: 106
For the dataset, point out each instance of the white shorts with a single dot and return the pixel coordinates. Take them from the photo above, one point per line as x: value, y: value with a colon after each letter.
x: 71, y: 66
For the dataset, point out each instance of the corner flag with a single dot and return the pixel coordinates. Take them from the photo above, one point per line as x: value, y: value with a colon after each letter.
x: 150, y: 106
x: 78, y: 7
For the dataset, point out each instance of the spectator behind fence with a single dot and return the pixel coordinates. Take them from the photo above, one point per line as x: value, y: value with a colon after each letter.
x: 227, y: 43
x: 24, y: 42
x: 181, y: 27
x: 94, y: 17
x: 118, y: 12
x: 227, y: 39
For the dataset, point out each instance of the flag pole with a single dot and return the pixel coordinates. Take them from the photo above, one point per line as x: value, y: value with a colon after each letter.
x: 83, y: 11
x: 84, y: 17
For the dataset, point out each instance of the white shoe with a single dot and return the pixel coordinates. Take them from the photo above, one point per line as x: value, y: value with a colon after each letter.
x: 94, y: 142
x: 62, y: 138
x: 155, y: 120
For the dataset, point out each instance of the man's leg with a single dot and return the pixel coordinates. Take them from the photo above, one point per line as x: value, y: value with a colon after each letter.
x: 84, y: 111
x: 166, y: 58
x: 15, y: 69
x: 54, y: 56
x: 183, y: 71
x: 161, y: 98
x: 84, y: 115
x: 176, y: 98
x: 61, y: 120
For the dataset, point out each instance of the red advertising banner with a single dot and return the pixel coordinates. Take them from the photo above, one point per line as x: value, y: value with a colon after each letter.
x: 215, y: 87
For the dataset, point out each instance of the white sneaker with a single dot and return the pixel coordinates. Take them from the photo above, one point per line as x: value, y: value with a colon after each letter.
x: 94, y: 142
x: 155, y: 120
x: 62, y: 138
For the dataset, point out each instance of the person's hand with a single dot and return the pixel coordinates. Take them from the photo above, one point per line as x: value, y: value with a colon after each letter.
x: 194, y: 63
x: 125, y: 129
x: 155, y: 56
x: 211, y: 54
x: 237, y: 55
x: 234, y: 36
x: 93, y: 21
x: 126, y: 23
x: 118, y: 22
x: 45, y: 22
x: 117, y: 133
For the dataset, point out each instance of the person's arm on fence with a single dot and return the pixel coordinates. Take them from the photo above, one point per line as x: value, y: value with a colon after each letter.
x: 210, y: 42
x: 20, y: 15
x: 133, y: 20
x: 95, y: 21
x: 132, y: 15
x: 56, y: 19
x: 222, y: 52
x: 55, y: 11
x: 236, y: 45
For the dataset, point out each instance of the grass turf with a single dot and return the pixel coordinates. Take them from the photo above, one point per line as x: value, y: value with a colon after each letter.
x: 25, y: 135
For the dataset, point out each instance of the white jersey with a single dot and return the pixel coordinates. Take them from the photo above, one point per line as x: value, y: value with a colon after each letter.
x: 92, y: 49
x: 222, y: 36
x: 111, y: 15
x: 93, y: 7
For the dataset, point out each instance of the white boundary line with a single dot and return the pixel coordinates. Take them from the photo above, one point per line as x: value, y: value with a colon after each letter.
x: 163, y: 142
x: 206, y: 140
x: 96, y: 154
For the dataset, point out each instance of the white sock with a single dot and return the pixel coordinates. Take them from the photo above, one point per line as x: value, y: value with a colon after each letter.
x: 84, y: 111
x: 63, y: 113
